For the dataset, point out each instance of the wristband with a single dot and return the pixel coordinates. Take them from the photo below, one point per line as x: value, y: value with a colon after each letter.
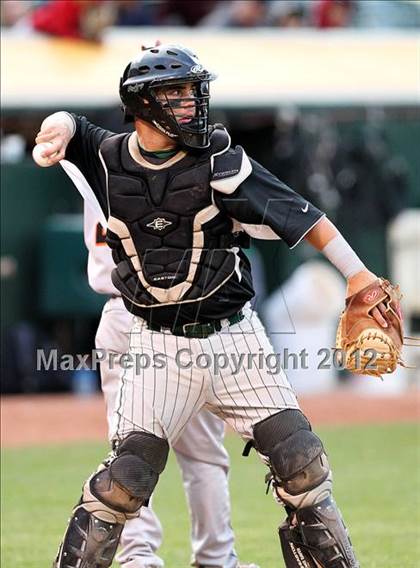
x: 61, y: 117
x: 343, y: 257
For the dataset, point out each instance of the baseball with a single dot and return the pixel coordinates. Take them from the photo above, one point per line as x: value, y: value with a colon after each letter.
x: 38, y: 158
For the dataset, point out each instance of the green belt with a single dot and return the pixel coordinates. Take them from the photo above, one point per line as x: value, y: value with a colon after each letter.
x: 198, y: 330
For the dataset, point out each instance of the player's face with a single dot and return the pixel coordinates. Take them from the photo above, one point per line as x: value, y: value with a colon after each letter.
x: 181, y: 99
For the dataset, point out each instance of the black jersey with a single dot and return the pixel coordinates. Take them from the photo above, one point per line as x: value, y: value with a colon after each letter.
x: 248, y: 198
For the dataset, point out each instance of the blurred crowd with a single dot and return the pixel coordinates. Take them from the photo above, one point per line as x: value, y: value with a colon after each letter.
x: 87, y: 19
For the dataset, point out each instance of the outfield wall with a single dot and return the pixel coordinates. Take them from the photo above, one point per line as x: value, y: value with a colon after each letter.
x: 262, y: 67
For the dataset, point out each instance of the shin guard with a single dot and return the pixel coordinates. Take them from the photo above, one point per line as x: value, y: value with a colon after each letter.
x: 316, y: 537
x: 89, y: 542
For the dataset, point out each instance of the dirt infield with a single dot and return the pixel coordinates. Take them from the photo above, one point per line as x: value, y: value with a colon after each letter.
x: 61, y: 419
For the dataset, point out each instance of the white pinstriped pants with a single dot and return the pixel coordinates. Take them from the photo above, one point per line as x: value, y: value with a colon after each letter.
x: 171, y: 378
x: 201, y: 458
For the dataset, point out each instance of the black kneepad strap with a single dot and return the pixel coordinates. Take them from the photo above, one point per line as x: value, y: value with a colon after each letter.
x: 296, y: 454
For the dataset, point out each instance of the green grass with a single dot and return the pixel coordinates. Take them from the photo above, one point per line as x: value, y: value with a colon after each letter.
x: 377, y: 485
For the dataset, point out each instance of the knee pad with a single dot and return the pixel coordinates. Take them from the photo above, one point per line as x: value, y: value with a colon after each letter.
x: 128, y: 481
x: 296, y: 455
x: 112, y: 495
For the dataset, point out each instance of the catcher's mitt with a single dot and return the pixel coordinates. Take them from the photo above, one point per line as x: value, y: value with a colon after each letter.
x: 368, y: 348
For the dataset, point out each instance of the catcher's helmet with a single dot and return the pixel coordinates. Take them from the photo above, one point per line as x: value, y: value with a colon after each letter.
x: 166, y: 66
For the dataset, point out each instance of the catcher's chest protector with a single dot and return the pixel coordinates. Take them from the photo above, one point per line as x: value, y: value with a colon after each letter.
x: 169, y: 241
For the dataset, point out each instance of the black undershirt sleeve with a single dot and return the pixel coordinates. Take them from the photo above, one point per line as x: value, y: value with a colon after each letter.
x: 262, y: 199
x: 83, y: 152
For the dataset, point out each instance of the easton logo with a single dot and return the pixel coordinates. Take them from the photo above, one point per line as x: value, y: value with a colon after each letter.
x: 159, y: 224
x: 227, y: 173
x: 299, y: 557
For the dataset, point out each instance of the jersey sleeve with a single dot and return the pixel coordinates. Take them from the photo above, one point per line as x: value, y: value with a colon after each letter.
x: 267, y: 208
x: 83, y: 164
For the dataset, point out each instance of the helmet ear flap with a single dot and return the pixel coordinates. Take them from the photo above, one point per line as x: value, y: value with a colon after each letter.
x: 125, y: 74
x: 128, y: 116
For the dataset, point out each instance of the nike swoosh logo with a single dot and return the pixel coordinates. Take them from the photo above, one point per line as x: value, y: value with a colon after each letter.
x: 305, y: 209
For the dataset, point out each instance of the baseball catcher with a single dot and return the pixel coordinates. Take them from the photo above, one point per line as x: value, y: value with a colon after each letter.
x: 180, y: 202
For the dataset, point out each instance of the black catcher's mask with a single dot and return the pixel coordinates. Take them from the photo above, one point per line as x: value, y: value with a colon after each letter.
x: 159, y: 68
